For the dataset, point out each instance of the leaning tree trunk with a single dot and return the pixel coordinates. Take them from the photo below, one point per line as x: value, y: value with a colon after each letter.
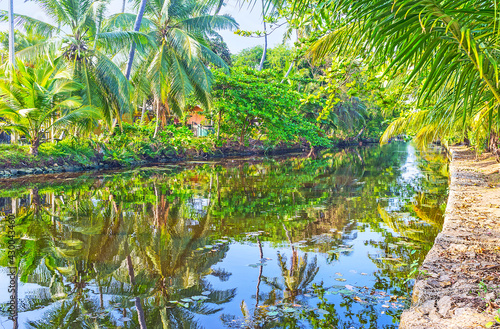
x: 137, y: 27
x: 292, y: 64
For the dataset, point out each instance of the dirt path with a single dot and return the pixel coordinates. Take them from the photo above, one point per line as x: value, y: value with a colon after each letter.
x: 461, y: 286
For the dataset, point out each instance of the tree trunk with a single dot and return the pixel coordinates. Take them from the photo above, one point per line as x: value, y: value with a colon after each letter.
x: 312, y: 152
x: 292, y: 64
x: 52, y: 130
x: 263, y: 58
x: 494, y: 145
x: 137, y: 301
x: 218, y: 124
x: 35, y: 143
x: 35, y: 200
x: 157, y: 111
x: 137, y: 27
x: 143, y: 113
x: 12, y: 56
x: 123, y: 6
x: 260, y: 273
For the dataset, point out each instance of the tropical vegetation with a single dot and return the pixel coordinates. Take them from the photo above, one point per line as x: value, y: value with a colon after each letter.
x: 124, y: 84
x: 431, y: 73
x: 444, y: 52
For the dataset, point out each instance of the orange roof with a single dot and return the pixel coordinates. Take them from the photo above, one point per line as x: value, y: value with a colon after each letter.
x: 195, y: 116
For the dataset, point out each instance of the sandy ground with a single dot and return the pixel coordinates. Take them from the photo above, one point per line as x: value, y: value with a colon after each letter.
x: 459, y: 286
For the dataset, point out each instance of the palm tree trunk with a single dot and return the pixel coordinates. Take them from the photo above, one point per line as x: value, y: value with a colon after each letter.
x: 143, y: 113
x: 35, y: 143
x: 289, y: 237
x: 123, y: 6
x: 157, y: 111
x: 494, y: 145
x: 52, y: 131
x: 12, y: 56
x: 292, y: 64
x: 263, y: 58
x: 138, y: 304
x: 137, y: 27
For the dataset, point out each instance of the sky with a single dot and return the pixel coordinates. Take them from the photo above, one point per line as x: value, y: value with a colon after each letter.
x: 249, y: 19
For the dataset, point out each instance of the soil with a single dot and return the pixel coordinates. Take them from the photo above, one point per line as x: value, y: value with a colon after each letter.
x: 459, y: 284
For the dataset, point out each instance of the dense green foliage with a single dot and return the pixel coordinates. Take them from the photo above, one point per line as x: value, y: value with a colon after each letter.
x: 446, y: 50
x: 348, y: 76
x: 252, y: 104
x: 131, y: 145
x: 177, y: 52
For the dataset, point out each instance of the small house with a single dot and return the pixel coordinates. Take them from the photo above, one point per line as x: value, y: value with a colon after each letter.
x: 198, y: 123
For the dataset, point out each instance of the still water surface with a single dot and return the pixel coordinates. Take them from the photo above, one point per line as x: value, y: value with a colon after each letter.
x: 285, y: 242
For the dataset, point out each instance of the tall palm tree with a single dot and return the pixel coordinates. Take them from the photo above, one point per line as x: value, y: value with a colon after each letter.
x: 175, y: 67
x: 88, y: 52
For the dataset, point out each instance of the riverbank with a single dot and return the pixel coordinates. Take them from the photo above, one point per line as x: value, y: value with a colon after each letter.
x: 61, y: 165
x: 459, y: 281
x: 80, y: 158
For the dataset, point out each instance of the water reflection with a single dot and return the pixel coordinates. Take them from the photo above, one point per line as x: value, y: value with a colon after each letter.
x: 286, y: 242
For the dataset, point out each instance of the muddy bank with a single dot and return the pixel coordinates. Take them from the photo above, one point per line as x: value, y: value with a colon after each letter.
x: 459, y: 284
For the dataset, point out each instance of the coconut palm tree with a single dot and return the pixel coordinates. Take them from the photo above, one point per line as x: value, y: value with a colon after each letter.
x: 174, y: 68
x: 33, y: 100
x: 451, y: 47
x: 87, y: 51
